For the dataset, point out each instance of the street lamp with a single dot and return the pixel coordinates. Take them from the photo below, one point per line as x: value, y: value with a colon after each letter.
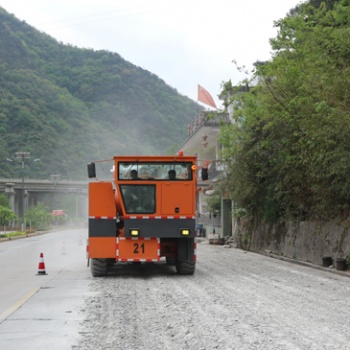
x: 55, y: 178
x: 22, y: 156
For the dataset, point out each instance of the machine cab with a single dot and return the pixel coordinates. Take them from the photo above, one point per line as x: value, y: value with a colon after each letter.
x: 153, y: 186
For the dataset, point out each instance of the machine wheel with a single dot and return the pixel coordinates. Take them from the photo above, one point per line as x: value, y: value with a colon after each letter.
x: 185, y: 267
x: 99, y: 267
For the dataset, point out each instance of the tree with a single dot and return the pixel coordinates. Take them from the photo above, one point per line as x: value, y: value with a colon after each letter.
x: 38, y: 217
x: 6, y: 217
x: 4, y: 201
x: 288, y: 151
x: 214, y: 203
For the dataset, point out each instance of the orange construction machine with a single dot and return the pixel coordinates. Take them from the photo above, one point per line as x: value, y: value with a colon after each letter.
x: 145, y: 212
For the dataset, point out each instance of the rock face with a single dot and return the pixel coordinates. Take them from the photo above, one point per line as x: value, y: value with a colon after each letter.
x: 304, y: 240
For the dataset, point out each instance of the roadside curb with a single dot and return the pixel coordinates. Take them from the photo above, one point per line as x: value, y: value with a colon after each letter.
x: 345, y: 273
x: 32, y: 234
x: 304, y: 263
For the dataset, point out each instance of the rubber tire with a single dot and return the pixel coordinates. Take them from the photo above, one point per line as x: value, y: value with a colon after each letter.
x: 99, y: 267
x: 185, y: 267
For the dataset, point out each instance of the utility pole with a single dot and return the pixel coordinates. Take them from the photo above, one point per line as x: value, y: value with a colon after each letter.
x: 22, y: 156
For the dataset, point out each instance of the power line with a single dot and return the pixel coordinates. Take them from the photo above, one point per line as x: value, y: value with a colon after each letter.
x: 120, y: 14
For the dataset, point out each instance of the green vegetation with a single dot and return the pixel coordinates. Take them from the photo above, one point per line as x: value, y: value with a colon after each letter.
x: 7, y: 216
x: 38, y: 217
x: 348, y: 260
x: 288, y: 151
x: 214, y: 203
x: 239, y: 212
x: 13, y: 234
x: 69, y: 106
x: 4, y: 202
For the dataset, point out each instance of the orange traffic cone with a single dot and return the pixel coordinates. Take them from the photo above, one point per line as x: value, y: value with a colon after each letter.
x: 41, y: 267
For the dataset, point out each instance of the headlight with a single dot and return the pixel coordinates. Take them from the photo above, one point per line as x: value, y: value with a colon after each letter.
x: 185, y: 231
x: 134, y: 232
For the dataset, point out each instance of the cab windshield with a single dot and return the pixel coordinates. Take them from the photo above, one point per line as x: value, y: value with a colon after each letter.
x: 155, y: 171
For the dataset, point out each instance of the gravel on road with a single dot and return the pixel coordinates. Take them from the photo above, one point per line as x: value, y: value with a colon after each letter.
x: 235, y: 300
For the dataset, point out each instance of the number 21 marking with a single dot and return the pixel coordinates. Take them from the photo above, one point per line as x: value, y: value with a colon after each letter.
x: 138, y: 247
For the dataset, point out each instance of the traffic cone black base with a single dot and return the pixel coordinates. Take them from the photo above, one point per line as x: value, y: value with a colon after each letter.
x: 41, y: 267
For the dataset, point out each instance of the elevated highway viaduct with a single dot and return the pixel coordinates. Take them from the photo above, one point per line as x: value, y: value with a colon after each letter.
x: 34, y: 191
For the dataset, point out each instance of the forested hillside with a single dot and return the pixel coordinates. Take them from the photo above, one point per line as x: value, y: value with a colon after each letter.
x: 68, y: 106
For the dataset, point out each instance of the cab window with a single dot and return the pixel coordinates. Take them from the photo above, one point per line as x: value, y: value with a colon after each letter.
x: 155, y: 171
x: 139, y: 199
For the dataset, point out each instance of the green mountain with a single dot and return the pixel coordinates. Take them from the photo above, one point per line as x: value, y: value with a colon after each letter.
x: 69, y: 106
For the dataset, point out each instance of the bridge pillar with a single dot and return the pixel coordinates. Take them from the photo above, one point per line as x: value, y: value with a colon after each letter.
x: 10, y: 191
x: 26, y: 201
x: 32, y: 199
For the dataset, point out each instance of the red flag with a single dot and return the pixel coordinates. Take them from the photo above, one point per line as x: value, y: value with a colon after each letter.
x: 205, y: 97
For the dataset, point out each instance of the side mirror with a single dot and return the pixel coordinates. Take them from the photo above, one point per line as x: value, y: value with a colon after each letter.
x: 204, y: 174
x: 91, y: 168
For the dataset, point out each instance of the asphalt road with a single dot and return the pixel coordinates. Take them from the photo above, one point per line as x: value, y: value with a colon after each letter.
x: 235, y: 300
x: 42, y: 311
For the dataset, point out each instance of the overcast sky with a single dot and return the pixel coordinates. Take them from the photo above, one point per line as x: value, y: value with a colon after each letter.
x: 184, y: 42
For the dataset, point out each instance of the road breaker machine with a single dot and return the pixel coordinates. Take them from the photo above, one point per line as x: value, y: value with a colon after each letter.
x: 145, y: 212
